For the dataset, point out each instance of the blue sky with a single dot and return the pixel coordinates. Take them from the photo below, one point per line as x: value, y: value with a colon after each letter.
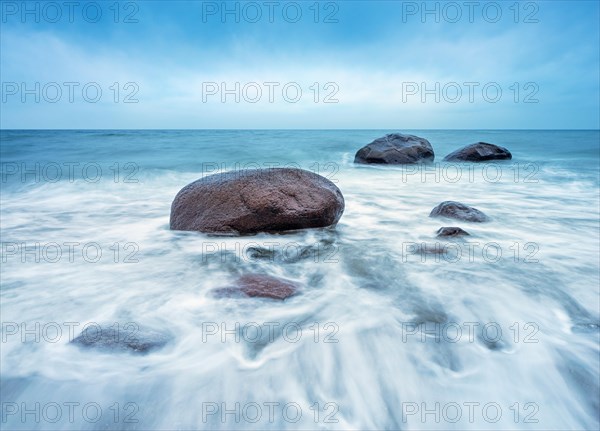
x: 377, y: 64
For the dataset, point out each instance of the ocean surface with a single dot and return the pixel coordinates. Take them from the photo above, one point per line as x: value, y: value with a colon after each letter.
x: 499, y: 332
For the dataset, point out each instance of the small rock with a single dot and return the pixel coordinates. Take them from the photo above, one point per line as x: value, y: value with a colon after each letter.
x: 459, y: 211
x: 396, y: 149
x: 427, y: 248
x: 260, y: 286
x: 450, y: 232
x: 479, y: 152
x: 123, y: 338
x: 257, y: 252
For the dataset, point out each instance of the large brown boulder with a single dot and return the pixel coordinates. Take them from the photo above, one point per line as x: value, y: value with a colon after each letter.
x: 261, y: 200
x: 396, y: 149
x: 479, y: 152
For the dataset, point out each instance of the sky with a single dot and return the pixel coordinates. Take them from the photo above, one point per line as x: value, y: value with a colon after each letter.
x: 300, y: 65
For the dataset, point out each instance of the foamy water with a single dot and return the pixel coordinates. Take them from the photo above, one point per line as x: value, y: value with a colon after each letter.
x: 502, y: 332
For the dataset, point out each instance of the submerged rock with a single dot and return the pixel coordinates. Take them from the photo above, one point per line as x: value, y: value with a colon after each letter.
x: 479, y: 152
x: 451, y: 232
x: 588, y: 327
x: 260, y: 286
x: 431, y: 248
x: 253, y: 201
x: 396, y: 149
x: 122, y: 338
x: 459, y: 211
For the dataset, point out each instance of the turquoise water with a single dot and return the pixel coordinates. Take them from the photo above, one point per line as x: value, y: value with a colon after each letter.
x: 379, y: 323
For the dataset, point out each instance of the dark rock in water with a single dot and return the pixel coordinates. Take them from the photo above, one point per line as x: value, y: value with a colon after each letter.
x: 258, y: 285
x: 427, y: 248
x: 479, y: 152
x: 451, y: 232
x: 446, y: 250
x: 264, y: 286
x: 123, y: 338
x: 294, y: 252
x: 396, y: 149
x: 262, y: 253
x: 458, y: 211
x: 252, y: 201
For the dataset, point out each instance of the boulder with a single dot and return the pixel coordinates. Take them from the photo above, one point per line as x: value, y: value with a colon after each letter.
x: 396, y: 149
x: 479, y: 152
x: 259, y: 286
x: 121, y: 338
x: 451, y: 232
x: 261, y: 200
x: 458, y: 211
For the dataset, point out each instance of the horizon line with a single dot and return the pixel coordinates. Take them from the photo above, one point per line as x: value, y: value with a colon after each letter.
x: 284, y: 129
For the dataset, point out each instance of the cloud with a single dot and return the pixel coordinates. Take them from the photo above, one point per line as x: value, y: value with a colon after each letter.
x: 421, y: 81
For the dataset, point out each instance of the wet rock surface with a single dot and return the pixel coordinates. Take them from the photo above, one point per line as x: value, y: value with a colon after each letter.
x: 479, y: 152
x: 259, y: 286
x: 451, y: 232
x: 261, y: 200
x: 396, y: 149
x: 458, y: 211
x: 126, y: 338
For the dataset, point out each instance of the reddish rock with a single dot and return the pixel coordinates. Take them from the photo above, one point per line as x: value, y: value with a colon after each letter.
x: 253, y: 201
x: 260, y: 286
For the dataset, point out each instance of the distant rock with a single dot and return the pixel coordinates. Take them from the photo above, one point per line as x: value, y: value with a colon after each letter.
x: 122, y: 338
x: 479, y: 152
x: 451, y: 232
x: 458, y: 211
x: 261, y: 200
x: 396, y: 149
x: 259, y: 286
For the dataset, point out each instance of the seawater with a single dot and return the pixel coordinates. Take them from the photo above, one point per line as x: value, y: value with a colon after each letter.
x: 500, y: 332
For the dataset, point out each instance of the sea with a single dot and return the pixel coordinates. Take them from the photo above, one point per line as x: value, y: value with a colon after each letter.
x: 392, y: 328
